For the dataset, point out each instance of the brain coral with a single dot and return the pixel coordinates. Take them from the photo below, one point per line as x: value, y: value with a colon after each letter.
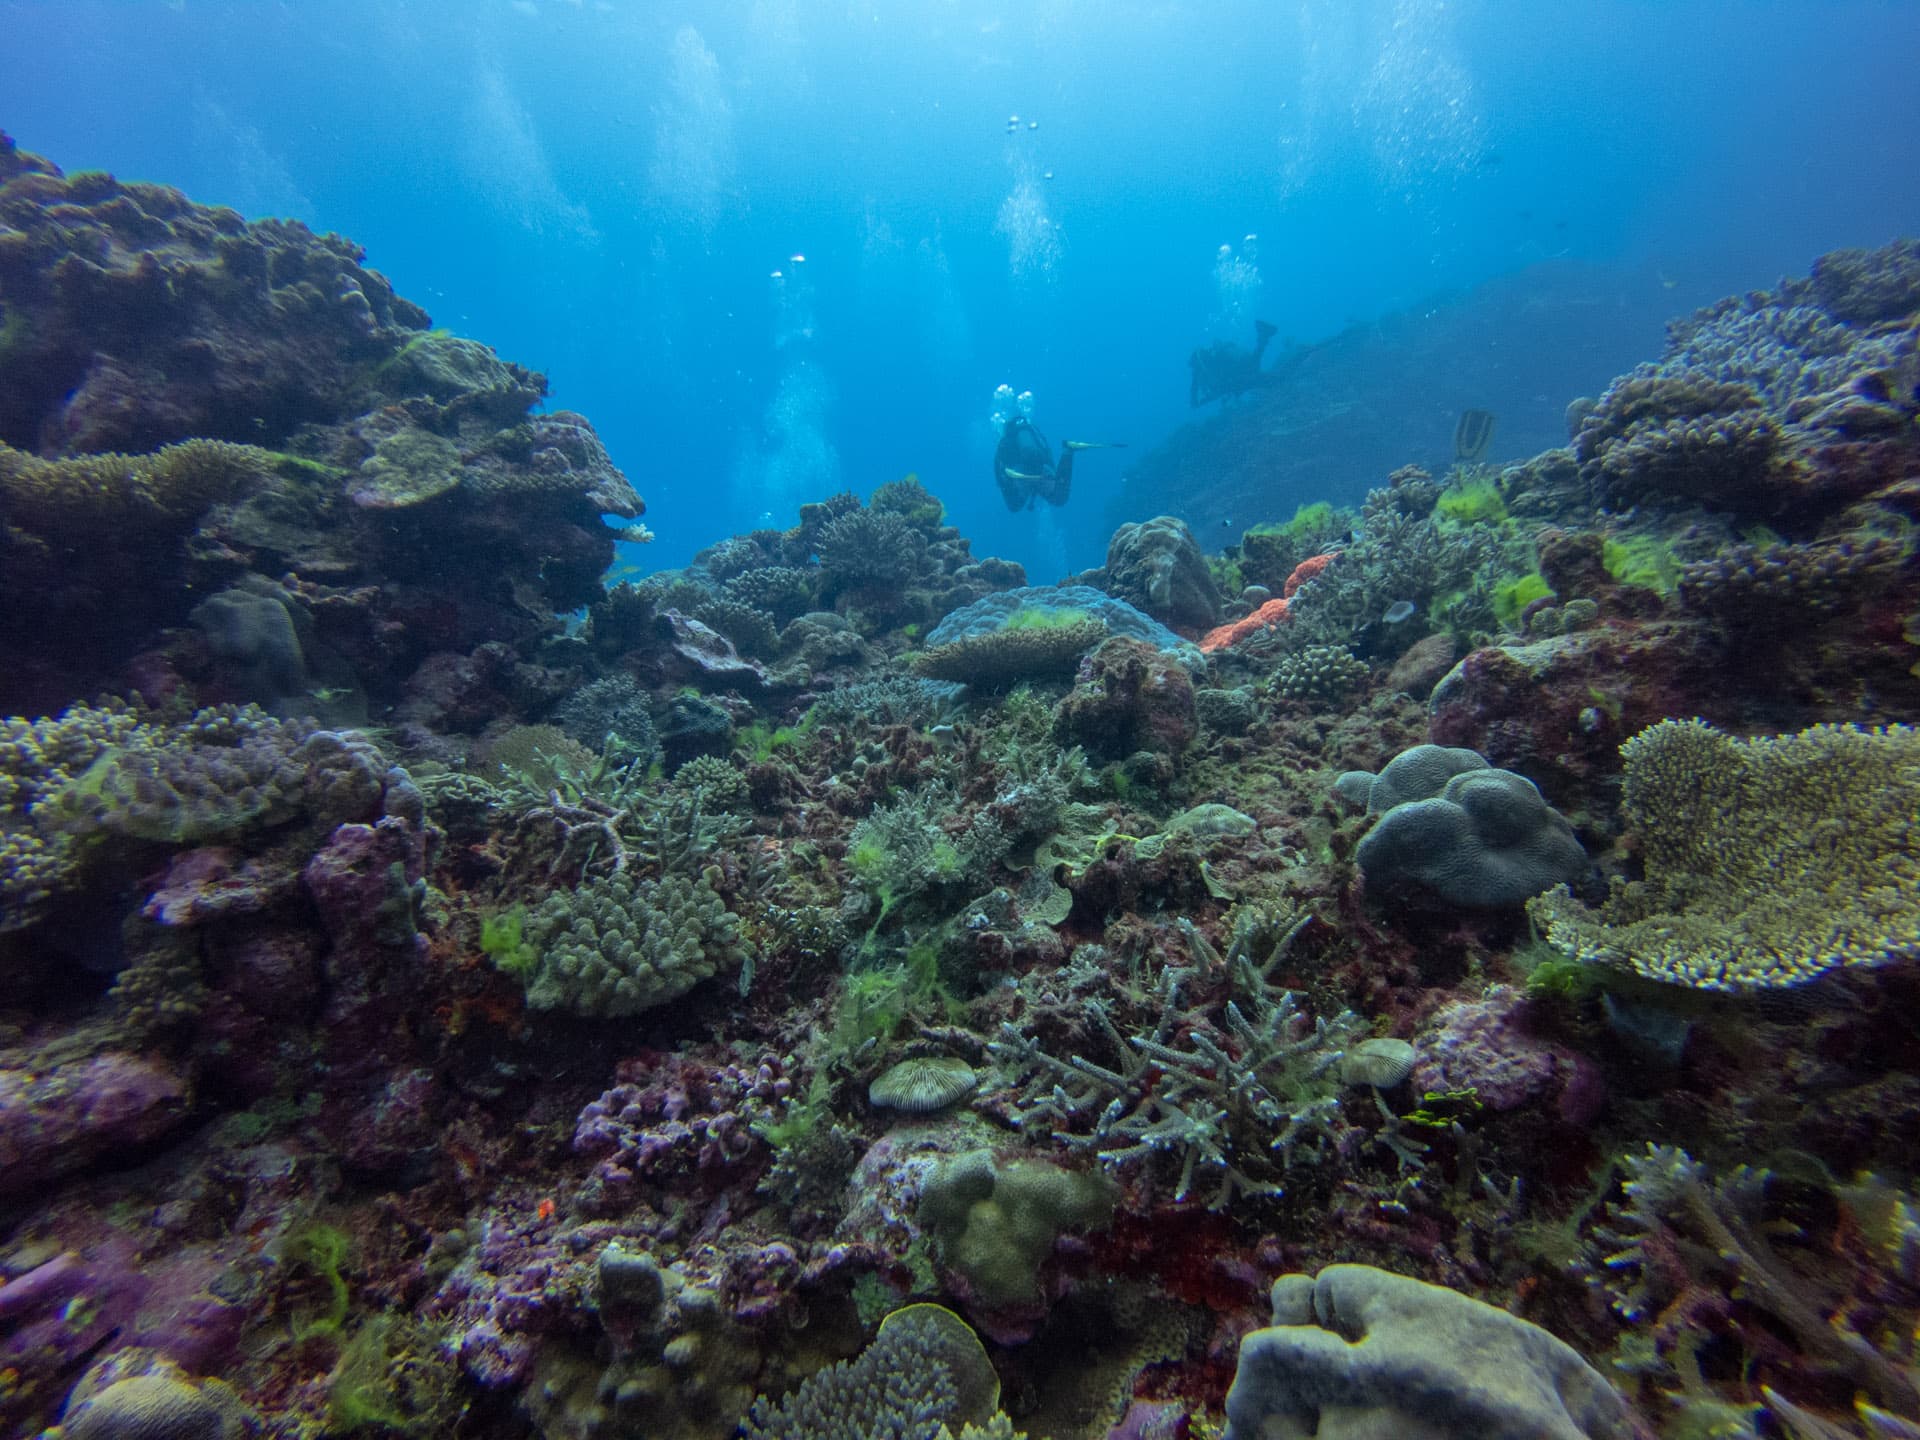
x: 1768, y: 861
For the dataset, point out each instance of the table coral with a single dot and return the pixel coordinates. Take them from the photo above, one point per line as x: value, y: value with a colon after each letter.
x: 1768, y: 861
x: 1005, y: 657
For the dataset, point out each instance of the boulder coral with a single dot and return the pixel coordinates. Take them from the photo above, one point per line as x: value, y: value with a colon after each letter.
x: 1454, y: 827
x: 1355, y: 1352
x: 1157, y: 565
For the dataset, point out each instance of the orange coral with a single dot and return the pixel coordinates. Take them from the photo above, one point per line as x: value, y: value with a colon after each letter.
x: 1271, y: 613
x: 1306, y: 570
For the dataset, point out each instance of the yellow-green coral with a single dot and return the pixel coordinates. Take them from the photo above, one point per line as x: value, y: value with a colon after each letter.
x: 170, y: 488
x: 95, y: 773
x: 996, y: 1224
x: 224, y: 769
x: 1006, y: 656
x: 39, y: 758
x: 617, y: 946
x: 1768, y: 861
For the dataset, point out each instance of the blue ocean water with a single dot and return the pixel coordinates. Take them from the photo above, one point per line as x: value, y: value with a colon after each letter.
x: 620, y: 194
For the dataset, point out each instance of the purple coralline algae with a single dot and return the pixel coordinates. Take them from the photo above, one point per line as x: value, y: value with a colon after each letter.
x: 1487, y: 1047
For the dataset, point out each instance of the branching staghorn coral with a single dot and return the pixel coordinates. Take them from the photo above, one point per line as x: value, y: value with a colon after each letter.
x: 1262, y: 1075
x: 1395, y: 555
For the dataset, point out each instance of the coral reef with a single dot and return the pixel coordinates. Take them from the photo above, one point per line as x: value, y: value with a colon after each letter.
x: 206, y: 399
x: 1753, y: 388
x: 460, y: 991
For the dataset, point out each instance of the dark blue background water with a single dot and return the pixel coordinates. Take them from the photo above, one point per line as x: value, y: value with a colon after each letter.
x: 605, y: 190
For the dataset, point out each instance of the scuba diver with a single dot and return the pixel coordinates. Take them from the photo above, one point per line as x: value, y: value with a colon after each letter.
x: 1224, y: 368
x: 1023, y: 462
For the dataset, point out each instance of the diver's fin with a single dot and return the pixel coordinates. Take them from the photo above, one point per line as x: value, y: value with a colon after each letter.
x: 1263, y: 332
x: 1093, y: 444
x: 1022, y: 475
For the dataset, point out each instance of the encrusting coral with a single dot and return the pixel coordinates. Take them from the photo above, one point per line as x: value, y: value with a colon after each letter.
x: 1769, y: 862
x: 996, y: 1223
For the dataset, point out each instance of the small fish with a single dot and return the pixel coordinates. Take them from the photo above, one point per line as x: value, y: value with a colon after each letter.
x: 796, y: 259
x: 1046, y: 175
x: 327, y: 694
x: 1398, y: 612
x: 1033, y: 124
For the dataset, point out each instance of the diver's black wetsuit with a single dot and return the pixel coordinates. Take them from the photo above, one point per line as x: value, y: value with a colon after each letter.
x: 1224, y: 368
x: 1024, y: 466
